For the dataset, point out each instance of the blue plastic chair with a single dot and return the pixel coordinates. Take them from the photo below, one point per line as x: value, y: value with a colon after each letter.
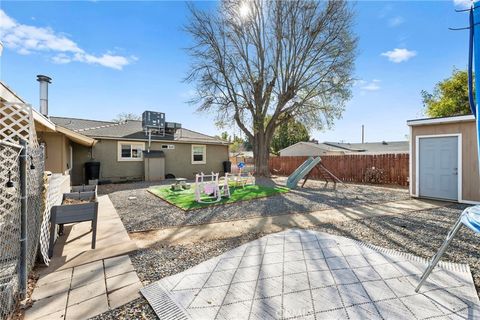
x: 470, y: 217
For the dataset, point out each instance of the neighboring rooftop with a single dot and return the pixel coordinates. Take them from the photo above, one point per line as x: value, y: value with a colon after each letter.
x: 129, y: 129
x: 372, y: 147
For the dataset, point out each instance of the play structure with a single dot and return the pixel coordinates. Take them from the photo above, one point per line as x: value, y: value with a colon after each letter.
x: 470, y: 217
x: 242, y: 178
x: 305, y: 169
x: 208, y: 188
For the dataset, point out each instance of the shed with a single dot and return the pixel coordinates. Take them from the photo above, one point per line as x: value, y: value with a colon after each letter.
x: 444, y: 159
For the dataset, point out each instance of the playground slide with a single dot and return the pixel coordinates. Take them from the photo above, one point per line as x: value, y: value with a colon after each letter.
x: 302, y: 171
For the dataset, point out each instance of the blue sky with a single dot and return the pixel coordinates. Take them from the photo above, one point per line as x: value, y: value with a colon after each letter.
x: 111, y: 57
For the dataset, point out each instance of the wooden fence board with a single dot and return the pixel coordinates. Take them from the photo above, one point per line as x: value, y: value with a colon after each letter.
x: 351, y: 167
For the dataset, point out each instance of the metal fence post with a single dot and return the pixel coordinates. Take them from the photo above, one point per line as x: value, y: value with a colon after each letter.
x: 23, y: 275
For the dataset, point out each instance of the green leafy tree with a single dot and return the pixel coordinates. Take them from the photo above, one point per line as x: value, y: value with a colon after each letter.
x: 449, y: 97
x: 283, y: 59
x: 288, y: 134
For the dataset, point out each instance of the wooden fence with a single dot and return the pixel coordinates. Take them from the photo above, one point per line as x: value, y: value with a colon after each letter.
x: 351, y: 168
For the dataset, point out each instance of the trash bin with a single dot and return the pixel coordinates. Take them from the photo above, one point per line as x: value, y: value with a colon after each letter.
x: 227, y: 166
x: 92, y: 170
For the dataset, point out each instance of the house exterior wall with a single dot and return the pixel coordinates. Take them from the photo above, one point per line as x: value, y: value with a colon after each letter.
x: 470, y: 174
x: 178, y: 161
x: 57, y: 152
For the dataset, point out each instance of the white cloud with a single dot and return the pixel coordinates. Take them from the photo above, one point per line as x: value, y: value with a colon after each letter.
x: 399, y: 55
x: 27, y: 39
x: 463, y: 3
x: 373, y: 85
x: 396, y: 21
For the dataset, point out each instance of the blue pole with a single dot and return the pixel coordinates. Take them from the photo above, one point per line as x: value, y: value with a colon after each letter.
x: 476, y: 63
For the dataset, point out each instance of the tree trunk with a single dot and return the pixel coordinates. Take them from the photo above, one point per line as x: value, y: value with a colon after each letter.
x: 261, y: 154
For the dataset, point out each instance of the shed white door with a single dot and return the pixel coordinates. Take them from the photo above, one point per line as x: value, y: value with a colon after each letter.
x: 438, y: 167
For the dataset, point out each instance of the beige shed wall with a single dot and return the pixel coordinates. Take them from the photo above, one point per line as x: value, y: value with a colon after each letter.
x: 57, y: 152
x: 177, y: 161
x: 470, y: 175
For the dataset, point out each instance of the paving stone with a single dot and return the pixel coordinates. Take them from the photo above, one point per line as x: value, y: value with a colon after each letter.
x: 267, y: 308
x: 401, y: 286
x: 254, y: 250
x: 294, y: 267
x: 60, y: 315
x: 344, y: 276
x: 86, y: 292
x: 313, y: 254
x: 234, y: 311
x: 357, y: 261
x: 271, y: 270
x: 293, y: 255
x: 393, y: 309
x: 407, y: 268
x: 378, y: 290
x: 338, y: 314
x: 350, y: 250
x: 240, y: 292
x: 376, y: 258
x: 311, y: 245
x: 122, y: 280
x: 220, y: 278
x: 89, y: 267
x: 320, y: 279
x: 51, y: 289
x: 353, y: 294
x: 118, y: 265
x: 124, y: 295
x: 363, y: 311
x: 250, y: 261
x: 88, y: 308
x: 209, y: 297
x: 228, y: 263
x: 269, y: 287
x: 47, y: 306
x: 274, y: 248
x: 332, y: 252
x: 295, y: 282
x: 84, y: 278
x: 387, y: 271
x: 203, y: 313
x: 55, y: 276
x: 316, y: 265
x: 274, y: 257
x: 246, y: 274
x: 337, y: 263
x: 293, y: 246
x: 366, y: 274
x: 327, y: 298
x: 192, y: 281
x: 421, y: 306
x: 297, y: 304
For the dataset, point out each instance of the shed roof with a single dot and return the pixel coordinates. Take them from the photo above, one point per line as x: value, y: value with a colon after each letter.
x: 130, y: 130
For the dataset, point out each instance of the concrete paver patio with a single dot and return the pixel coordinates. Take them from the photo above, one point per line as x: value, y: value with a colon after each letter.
x: 80, y: 282
x: 312, y: 275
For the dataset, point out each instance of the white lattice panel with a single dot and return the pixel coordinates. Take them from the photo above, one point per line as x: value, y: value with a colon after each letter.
x: 16, y: 123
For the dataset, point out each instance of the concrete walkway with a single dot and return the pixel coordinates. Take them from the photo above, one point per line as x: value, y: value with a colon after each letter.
x: 230, y: 229
x: 80, y: 283
x: 300, y: 274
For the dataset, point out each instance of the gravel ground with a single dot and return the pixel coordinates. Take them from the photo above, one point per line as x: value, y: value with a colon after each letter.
x: 147, y: 211
x: 419, y: 233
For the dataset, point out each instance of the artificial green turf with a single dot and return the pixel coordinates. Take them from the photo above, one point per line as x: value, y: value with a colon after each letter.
x: 185, y: 199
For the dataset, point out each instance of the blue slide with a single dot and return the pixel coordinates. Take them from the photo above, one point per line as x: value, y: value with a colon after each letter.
x: 302, y: 171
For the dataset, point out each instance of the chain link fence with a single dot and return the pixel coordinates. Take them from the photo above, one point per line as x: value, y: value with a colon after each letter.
x: 11, y: 263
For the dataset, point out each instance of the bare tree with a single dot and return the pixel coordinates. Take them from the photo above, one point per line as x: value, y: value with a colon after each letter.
x: 260, y: 63
x: 124, y: 116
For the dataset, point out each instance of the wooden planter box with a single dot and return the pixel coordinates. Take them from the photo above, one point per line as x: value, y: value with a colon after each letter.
x: 71, y: 213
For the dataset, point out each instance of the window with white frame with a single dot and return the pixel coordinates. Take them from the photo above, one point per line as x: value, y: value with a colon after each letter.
x: 199, y: 154
x: 130, y: 151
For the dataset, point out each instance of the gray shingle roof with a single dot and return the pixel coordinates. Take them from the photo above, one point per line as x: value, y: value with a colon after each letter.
x: 130, y: 129
x: 373, y: 147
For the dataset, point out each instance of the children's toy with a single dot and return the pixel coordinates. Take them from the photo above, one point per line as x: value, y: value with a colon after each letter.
x: 208, y: 190
x: 241, y: 178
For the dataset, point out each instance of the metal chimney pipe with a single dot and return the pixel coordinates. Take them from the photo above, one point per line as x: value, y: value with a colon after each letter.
x: 44, y: 81
x: 363, y: 133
